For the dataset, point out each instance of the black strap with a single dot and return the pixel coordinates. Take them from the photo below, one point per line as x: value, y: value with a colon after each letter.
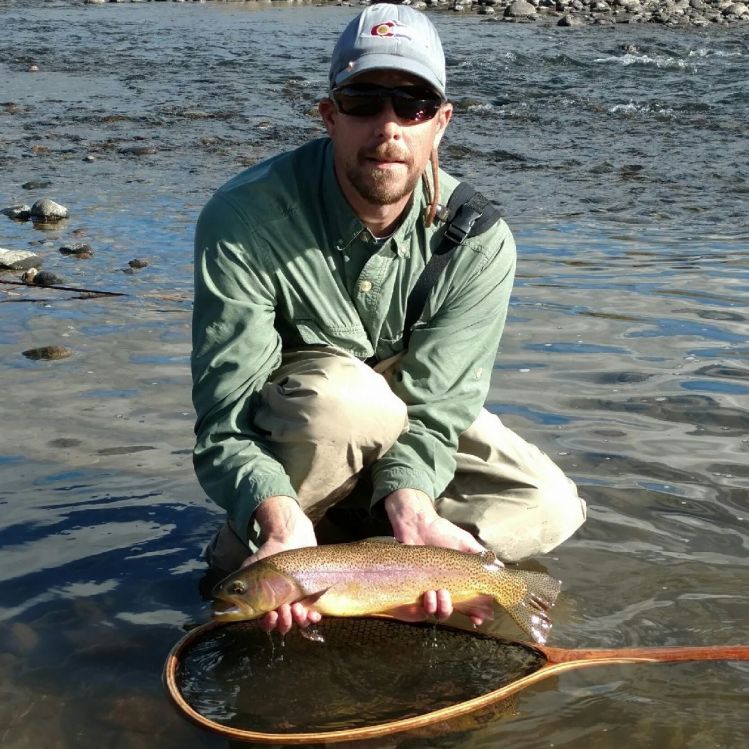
x: 468, y: 213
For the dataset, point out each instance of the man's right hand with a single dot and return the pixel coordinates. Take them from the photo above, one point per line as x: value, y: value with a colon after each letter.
x: 284, y: 526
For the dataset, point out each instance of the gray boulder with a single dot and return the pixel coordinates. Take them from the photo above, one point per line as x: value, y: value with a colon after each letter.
x: 520, y: 9
x: 18, y: 260
x: 47, y: 210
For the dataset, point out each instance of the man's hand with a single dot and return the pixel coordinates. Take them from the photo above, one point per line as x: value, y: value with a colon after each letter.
x: 284, y: 526
x: 415, y: 521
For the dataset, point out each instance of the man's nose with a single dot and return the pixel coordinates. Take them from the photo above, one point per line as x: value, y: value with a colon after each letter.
x: 387, y: 121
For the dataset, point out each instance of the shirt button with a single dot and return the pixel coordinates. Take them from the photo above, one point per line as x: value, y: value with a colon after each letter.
x: 365, y: 287
x: 402, y: 251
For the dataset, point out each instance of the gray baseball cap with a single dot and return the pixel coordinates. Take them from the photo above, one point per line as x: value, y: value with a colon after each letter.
x: 389, y: 37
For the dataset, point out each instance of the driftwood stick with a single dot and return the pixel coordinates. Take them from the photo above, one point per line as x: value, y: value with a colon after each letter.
x: 64, y: 288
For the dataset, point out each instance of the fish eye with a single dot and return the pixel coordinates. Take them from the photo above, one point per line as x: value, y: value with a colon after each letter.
x: 237, y: 587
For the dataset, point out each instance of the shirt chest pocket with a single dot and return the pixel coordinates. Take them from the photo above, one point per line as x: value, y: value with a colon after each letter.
x: 348, y: 337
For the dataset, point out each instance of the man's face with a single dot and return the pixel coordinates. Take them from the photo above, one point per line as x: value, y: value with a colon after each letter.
x: 380, y: 158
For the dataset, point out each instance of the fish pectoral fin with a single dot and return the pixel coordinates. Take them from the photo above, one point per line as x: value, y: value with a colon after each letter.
x: 480, y: 606
x: 310, y: 600
x: 408, y: 612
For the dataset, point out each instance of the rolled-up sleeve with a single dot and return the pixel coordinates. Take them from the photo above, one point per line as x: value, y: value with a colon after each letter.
x: 235, y: 348
x: 444, y: 376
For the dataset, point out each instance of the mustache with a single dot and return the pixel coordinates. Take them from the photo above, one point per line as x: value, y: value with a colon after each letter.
x: 385, y: 152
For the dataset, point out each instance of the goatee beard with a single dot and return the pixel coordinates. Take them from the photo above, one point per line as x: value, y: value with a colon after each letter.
x: 380, y: 186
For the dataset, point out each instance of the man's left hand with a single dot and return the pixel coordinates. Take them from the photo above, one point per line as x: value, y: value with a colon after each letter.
x: 415, y: 521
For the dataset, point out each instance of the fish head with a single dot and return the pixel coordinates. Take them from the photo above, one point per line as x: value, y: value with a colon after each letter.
x: 251, y: 592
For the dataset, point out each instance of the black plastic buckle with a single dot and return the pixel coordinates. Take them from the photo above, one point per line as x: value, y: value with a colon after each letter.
x: 459, y: 226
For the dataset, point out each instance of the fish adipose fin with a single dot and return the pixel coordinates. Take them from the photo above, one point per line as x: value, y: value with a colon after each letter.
x: 531, y: 612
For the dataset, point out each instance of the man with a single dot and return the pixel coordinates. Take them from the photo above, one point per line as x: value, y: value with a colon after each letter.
x: 308, y: 399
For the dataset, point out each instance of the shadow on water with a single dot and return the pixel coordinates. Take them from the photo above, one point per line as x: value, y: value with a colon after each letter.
x: 619, y: 159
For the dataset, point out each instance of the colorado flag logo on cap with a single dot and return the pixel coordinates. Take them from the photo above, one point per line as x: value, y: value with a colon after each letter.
x: 388, y: 29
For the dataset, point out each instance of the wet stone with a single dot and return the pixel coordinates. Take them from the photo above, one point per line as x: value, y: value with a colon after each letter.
x: 137, y: 263
x: 137, y: 151
x: 48, y: 353
x: 18, y: 259
x: 81, y: 249
x: 569, y: 20
x: 34, y: 277
x: 64, y: 442
x: 48, y: 210
x: 20, y: 212
x: 36, y: 184
x: 520, y: 9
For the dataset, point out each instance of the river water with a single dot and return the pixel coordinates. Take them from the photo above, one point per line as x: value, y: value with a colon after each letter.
x: 619, y: 158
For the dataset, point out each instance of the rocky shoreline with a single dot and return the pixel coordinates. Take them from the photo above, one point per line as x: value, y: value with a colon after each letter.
x: 692, y: 13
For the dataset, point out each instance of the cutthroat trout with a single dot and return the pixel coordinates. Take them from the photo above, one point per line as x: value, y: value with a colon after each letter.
x: 380, y: 577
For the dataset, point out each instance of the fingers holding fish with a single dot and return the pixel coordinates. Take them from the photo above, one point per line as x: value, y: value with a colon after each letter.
x: 438, y: 603
x: 287, y: 615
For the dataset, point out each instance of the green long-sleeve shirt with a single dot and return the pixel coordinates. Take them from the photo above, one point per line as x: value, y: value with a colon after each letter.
x: 282, y: 261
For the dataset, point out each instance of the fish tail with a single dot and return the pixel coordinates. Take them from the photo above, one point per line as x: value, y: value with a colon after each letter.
x: 531, y: 611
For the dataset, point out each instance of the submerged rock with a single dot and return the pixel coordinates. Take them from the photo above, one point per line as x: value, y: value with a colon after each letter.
x: 36, y: 184
x: 18, y: 260
x: 47, y: 210
x: 137, y: 263
x: 48, y: 353
x: 137, y: 150
x: 80, y: 249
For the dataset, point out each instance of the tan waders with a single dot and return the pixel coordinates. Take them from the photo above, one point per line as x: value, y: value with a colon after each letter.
x: 330, y: 416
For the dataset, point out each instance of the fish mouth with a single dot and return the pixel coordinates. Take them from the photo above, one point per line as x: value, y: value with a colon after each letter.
x: 229, y: 611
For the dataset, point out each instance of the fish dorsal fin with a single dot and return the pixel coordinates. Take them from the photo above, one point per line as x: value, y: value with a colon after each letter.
x: 487, y: 556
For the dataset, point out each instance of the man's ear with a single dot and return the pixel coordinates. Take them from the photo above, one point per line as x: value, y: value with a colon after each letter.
x: 444, y: 117
x: 328, y: 112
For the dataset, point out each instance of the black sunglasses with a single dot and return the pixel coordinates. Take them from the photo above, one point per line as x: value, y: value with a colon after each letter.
x: 411, y: 103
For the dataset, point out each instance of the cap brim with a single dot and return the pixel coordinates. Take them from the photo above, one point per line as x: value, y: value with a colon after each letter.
x: 390, y: 62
